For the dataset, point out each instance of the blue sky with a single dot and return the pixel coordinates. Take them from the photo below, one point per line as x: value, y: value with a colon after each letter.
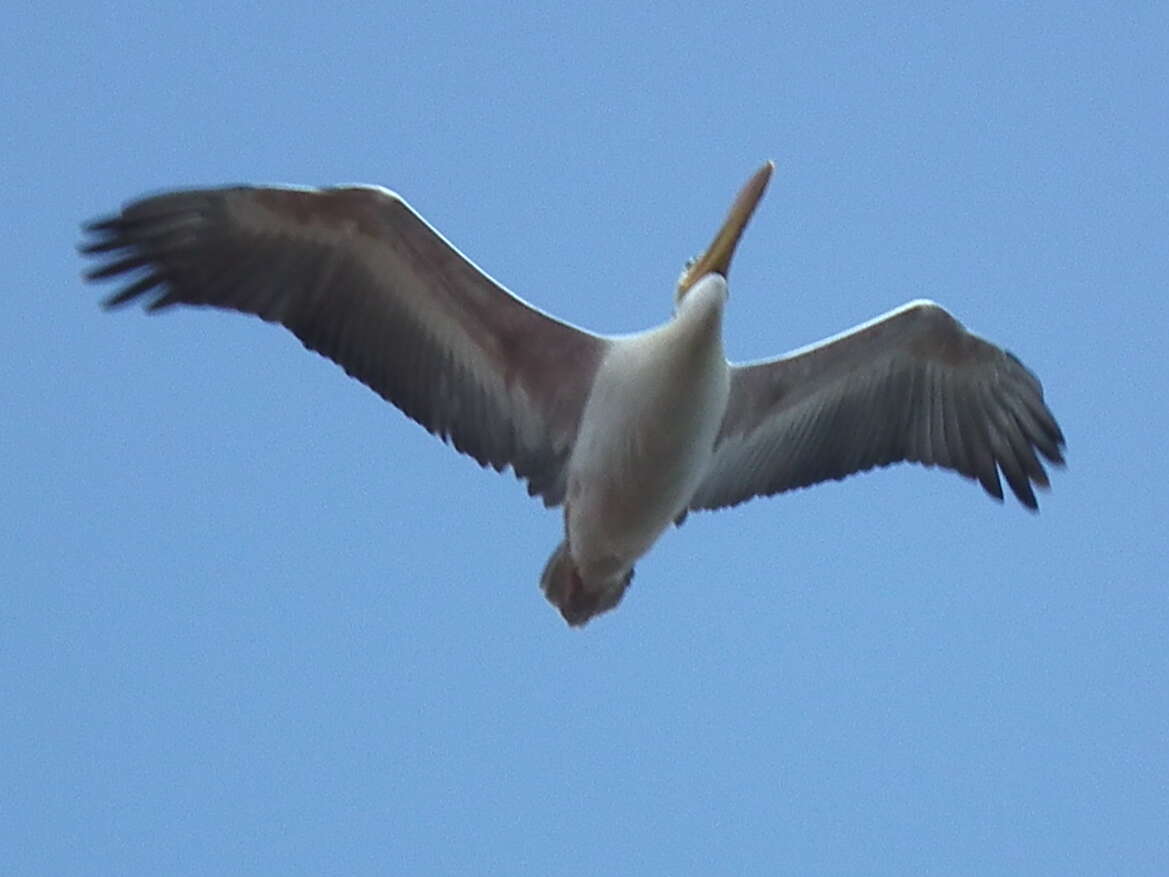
x: 255, y: 621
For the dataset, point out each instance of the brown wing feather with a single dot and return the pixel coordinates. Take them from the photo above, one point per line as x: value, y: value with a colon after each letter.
x: 914, y: 385
x: 359, y: 277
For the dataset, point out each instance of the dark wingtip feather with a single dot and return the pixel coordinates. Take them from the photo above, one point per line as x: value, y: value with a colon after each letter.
x: 131, y: 292
x: 1028, y: 498
x: 1055, y: 453
x: 101, y: 223
x: 1017, y: 477
x: 989, y: 479
x: 107, y: 245
x: 119, y: 266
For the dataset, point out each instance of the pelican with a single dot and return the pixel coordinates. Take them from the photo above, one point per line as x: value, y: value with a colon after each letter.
x: 627, y: 433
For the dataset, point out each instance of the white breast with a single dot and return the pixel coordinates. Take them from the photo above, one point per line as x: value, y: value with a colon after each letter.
x: 647, y: 434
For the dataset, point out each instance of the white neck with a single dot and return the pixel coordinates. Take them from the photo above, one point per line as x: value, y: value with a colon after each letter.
x: 702, y: 306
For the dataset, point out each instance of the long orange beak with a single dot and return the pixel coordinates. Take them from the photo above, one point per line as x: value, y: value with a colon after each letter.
x: 717, y: 258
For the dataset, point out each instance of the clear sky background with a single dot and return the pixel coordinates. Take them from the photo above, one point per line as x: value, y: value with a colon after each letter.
x: 255, y: 621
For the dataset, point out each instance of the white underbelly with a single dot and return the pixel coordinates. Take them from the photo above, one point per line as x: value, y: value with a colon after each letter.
x: 646, y: 439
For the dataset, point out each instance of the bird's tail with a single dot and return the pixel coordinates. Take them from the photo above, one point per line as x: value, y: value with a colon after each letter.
x: 577, y: 601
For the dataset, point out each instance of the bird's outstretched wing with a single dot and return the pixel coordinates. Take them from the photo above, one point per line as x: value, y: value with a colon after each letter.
x: 910, y: 385
x: 359, y: 277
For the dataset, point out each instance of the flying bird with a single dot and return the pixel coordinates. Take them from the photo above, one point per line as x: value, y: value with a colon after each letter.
x: 627, y: 433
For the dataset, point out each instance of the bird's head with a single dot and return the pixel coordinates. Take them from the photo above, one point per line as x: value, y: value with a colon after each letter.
x: 717, y: 258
